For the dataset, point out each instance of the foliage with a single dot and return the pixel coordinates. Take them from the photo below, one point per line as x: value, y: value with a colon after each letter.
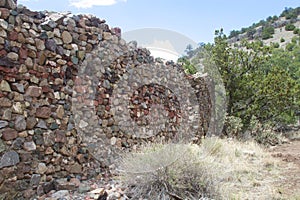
x: 296, y: 31
x: 189, y: 68
x: 260, y: 80
x: 290, y: 27
x: 267, y: 32
x: 290, y: 13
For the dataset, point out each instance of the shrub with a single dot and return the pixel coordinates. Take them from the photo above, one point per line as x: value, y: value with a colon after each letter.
x: 218, y: 169
x: 282, y: 40
x: 296, y: 31
x: 276, y: 45
x: 168, y: 171
x: 290, y: 27
x: 267, y: 32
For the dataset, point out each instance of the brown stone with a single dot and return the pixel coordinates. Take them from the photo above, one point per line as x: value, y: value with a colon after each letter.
x: 66, y: 37
x: 13, y: 35
x: 42, y: 58
x: 43, y: 112
x: 60, y: 112
x: 4, y: 86
x: 23, y: 52
x: 60, y: 136
x: 9, y: 134
x: 5, y: 102
x: 4, y: 13
x: 34, y: 91
x: 31, y: 122
x: 74, y: 169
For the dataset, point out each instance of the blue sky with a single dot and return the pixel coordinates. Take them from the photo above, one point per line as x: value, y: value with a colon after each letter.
x: 195, y: 19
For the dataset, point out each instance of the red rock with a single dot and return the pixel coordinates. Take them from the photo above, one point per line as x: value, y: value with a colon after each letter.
x: 60, y: 136
x: 43, y: 112
x: 34, y: 91
x: 46, y: 89
x: 13, y: 35
x: 4, y: 13
x: 81, y: 89
x: 9, y: 134
x: 3, y: 53
x: 74, y: 169
x: 23, y: 53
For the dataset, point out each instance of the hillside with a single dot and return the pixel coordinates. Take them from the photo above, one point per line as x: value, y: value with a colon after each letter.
x: 274, y: 29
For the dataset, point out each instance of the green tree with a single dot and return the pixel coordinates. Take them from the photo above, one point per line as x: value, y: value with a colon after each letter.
x: 255, y: 84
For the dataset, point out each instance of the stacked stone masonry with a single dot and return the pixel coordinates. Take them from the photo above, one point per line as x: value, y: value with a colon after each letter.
x: 44, y: 71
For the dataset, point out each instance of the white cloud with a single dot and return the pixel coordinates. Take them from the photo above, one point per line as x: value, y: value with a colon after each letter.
x: 91, y: 3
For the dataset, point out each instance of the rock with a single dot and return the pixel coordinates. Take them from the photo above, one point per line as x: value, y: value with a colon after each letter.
x: 18, y: 143
x: 50, y: 45
x: 35, y: 179
x: 20, y: 123
x: 43, y: 112
x: 9, y: 158
x: 66, y: 37
x: 3, y: 24
x: 48, y: 186
x: 13, y: 56
x: 18, y: 108
x: 74, y: 169
x: 3, y: 33
x: 4, y: 86
x: 2, y: 146
x: 34, y: 91
x: 29, y: 63
x: 18, y: 87
x: 29, y: 146
x: 83, y: 188
x: 64, y: 184
x: 83, y: 124
x: 5, y: 102
x: 41, y: 168
x: 9, y: 134
x: 42, y: 124
x: 81, y: 55
x: 113, y: 140
x: 2, y: 3
x: 40, y: 44
x: 11, y: 4
x: 54, y: 126
x: 60, y: 112
x: 3, y: 124
x: 6, y: 114
x: 31, y: 122
x: 62, y: 194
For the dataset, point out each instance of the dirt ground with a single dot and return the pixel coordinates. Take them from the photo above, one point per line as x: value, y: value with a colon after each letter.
x: 289, y: 156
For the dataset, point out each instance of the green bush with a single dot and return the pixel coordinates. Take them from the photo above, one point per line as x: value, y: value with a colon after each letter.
x: 276, y: 45
x: 290, y: 27
x: 282, y: 40
x: 296, y: 31
x: 267, y: 32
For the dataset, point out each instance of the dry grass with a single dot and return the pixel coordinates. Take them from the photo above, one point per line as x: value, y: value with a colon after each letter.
x: 217, y: 169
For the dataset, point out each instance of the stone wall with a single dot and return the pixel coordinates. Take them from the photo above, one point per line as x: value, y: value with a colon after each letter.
x: 58, y: 73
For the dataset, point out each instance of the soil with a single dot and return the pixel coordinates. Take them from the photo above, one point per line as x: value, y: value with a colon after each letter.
x: 289, y: 156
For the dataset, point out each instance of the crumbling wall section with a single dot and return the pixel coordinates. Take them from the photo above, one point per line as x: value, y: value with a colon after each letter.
x: 42, y: 55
